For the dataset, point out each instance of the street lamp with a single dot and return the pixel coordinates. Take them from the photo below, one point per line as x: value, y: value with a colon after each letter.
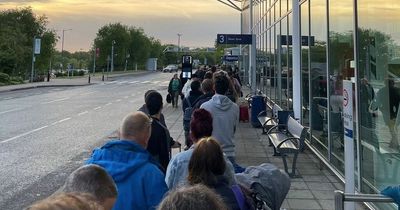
x: 62, y: 49
x: 112, y: 55
x: 179, y: 42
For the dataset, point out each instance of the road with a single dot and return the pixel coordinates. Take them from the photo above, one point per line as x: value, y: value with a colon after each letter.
x: 46, y: 133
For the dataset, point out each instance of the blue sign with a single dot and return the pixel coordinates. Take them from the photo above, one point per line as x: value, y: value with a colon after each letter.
x: 230, y: 58
x: 288, y: 40
x: 234, y: 39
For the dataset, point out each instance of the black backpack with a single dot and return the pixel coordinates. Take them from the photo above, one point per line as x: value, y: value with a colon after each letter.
x: 187, y: 115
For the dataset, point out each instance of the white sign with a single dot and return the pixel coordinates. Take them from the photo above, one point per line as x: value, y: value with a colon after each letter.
x: 37, y: 45
x: 348, y: 140
x: 348, y: 108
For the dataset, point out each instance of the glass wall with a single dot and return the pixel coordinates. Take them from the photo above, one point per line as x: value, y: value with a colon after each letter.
x: 341, y: 54
x: 305, y: 51
x: 318, y: 74
x: 379, y: 95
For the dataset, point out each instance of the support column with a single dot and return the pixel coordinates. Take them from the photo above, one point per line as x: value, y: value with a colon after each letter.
x: 296, y: 71
x: 252, y: 52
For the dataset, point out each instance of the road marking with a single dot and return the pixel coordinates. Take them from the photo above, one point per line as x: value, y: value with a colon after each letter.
x: 133, y: 82
x: 122, y: 82
x: 82, y: 113
x: 88, y: 93
x: 145, y: 82
x: 118, y: 100
x: 11, y: 110
x: 57, y: 100
x: 8, y: 98
x: 108, y: 104
x: 99, y: 107
x: 126, y: 97
x: 60, y: 121
x: 112, y: 82
x: 132, y: 101
x: 24, y: 134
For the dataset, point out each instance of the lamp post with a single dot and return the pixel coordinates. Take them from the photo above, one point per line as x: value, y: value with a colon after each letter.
x: 112, y: 55
x: 179, y: 42
x: 62, y: 49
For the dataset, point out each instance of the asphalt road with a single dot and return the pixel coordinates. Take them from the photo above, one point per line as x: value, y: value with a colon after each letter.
x: 46, y: 133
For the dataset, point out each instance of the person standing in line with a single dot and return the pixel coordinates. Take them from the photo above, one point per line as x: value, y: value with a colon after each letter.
x: 188, y: 107
x: 139, y: 179
x: 174, y: 89
x: 177, y: 171
x: 225, y: 117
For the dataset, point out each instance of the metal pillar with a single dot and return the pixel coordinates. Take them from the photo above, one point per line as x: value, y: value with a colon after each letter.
x: 296, y: 70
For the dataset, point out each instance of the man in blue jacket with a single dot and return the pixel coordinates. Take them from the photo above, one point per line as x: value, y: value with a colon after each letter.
x: 139, y: 179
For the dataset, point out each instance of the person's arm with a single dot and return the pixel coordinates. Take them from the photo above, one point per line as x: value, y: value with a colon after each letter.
x: 171, y: 173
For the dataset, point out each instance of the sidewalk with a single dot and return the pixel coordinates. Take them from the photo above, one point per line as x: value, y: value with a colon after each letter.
x: 72, y: 81
x: 314, y: 190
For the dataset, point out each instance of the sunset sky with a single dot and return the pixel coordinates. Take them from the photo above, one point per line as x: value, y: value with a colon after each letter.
x: 198, y: 20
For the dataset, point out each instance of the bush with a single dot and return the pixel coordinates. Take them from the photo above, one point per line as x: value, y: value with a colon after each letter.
x: 17, y: 80
x: 4, y: 78
x: 60, y: 74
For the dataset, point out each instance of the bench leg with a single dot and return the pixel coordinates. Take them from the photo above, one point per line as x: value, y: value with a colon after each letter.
x: 276, y: 153
x: 292, y: 174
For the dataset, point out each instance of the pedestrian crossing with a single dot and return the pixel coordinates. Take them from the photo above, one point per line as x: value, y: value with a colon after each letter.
x: 133, y: 82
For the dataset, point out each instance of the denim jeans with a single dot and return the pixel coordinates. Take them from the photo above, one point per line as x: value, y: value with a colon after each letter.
x: 236, y: 167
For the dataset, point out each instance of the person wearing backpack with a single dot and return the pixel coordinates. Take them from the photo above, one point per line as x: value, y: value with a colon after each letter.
x: 188, y: 107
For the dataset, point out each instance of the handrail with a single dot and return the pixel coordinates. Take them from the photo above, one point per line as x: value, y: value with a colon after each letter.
x: 341, y: 197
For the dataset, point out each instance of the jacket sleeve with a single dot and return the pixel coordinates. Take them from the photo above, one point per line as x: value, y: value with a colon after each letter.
x: 155, y: 188
x: 170, y: 86
x: 171, y: 173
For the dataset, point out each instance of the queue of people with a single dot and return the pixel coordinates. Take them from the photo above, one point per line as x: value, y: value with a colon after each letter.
x: 136, y: 171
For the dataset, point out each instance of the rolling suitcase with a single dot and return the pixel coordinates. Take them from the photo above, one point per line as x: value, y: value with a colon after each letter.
x: 244, y: 113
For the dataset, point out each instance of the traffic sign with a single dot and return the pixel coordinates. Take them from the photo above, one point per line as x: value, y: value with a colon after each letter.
x: 230, y: 58
x: 234, y: 38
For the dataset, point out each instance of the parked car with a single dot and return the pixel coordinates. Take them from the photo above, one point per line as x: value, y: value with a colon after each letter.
x: 170, y: 68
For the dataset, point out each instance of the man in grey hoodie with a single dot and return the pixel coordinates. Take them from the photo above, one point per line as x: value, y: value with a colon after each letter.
x: 225, y: 115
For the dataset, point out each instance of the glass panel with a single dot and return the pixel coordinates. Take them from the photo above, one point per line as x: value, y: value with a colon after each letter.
x: 341, y: 53
x: 284, y: 4
x: 305, y: 64
x: 319, y: 114
x: 379, y: 95
x: 284, y: 65
x: 290, y: 67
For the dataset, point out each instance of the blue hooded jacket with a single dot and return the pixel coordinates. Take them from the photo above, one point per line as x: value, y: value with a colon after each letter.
x: 139, y: 180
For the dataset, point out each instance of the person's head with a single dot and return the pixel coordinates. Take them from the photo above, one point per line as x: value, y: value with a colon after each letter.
x: 175, y: 76
x: 207, y: 162
x: 213, y: 69
x: 147, y: 93
x: 195, y: 77
x: 136, y: 127
x: 94, y: 180
x: 154, y: 102
x: 221, y: 83
x: 200, y: 125
x: 197, y: 197
x: 208, y: 75
x: 67, y: 201
x: 195, y: 86
x: 207, y: 86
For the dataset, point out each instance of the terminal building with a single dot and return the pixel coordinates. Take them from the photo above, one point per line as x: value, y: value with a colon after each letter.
x: 306, y: 49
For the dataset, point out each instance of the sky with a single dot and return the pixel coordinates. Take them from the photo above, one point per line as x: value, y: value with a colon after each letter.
x: 199, y: 21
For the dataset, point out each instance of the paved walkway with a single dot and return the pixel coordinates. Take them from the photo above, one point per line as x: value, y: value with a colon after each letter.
x: 314, y: 190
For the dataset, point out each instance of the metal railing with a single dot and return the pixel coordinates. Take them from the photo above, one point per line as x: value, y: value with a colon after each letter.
x: 341, y: 197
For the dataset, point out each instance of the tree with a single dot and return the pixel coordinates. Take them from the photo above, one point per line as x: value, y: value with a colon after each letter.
x: 18, y: 27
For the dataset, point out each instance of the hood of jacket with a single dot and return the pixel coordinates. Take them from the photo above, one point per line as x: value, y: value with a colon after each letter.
x: 221, y: 102
x: 121, y: 158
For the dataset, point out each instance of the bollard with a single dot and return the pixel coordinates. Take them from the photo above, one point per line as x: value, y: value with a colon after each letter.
x: 102, y: 78
x: 89, y: 79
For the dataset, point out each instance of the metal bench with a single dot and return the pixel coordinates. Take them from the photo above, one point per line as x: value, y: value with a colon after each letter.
x: 341, y: 197
x: 268, y: 121
x: 287, y: 140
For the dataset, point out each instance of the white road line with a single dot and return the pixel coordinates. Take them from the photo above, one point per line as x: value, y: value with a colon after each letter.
x: 108, y: 104
x: 24, y: 134
x: 57, y: 100
x: 122, y: 82
x: 145, y: 82
x: 126, y: 97
x: 133, y: 82
x: 99, y: 107
x: 88, y: 93
x: 82, y: 113
x: 118, y: 100
x: 112, y: 82
x: 11, y: 110
x: 8, y: 98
